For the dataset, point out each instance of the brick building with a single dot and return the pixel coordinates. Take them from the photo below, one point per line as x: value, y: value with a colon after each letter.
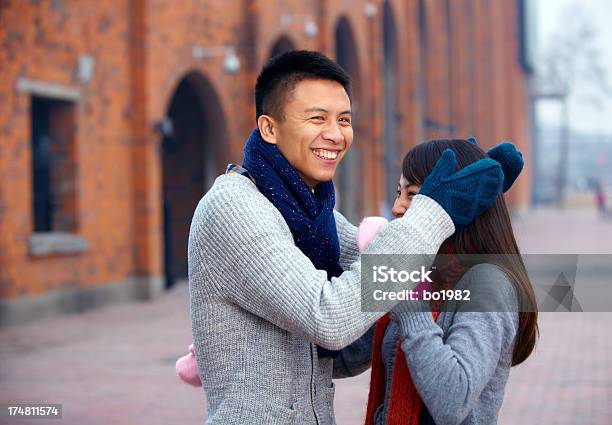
x: 117, y: 115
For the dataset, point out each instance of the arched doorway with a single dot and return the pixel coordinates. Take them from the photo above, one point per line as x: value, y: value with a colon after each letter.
x: 422, y: 83
x: 390, y: 90
x: 283, y: 44
x: 194, y: 134
x: 450, y: 117
x: 349, y: 176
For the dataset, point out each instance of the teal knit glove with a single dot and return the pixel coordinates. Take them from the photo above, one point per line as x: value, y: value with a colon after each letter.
x: 467, y: 193
x: 511, y: 161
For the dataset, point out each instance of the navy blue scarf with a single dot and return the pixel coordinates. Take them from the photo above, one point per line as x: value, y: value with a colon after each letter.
x: 309, y: 215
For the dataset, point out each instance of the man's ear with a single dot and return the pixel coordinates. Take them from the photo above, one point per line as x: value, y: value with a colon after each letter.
x: 267, y: 128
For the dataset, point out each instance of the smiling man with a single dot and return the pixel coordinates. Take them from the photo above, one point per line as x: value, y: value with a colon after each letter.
x: 274, y: 271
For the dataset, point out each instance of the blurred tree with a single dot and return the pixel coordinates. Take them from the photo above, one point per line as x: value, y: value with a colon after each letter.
x: 571, y: 71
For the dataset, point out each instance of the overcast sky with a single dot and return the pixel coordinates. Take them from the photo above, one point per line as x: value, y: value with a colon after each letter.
x: 549, y: 19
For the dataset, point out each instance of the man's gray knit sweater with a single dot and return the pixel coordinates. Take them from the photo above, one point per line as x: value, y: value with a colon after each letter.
x: 259, y: 307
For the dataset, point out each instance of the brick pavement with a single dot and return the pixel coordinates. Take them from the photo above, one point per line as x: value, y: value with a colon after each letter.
x: 115, y: 364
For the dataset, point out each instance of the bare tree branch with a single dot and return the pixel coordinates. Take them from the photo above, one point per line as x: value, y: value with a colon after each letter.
x: 572, y: 59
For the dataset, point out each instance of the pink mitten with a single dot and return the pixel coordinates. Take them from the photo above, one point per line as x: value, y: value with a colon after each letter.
x: 369, y: 227
x: 187, y: 368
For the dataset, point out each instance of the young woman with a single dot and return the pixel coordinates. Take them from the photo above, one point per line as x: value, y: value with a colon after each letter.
x: 444, y: 363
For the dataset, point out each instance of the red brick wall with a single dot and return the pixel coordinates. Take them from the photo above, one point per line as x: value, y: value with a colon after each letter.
x: 42, y: 41
x: 143, y: 49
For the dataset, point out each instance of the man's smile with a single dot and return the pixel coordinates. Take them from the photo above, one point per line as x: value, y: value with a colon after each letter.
x: 327, y: 155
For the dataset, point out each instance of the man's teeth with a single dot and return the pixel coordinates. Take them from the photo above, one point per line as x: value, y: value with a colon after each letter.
x: 322, y: 153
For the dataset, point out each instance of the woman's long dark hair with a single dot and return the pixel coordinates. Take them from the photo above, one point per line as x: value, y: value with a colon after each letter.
x: 490, y: 233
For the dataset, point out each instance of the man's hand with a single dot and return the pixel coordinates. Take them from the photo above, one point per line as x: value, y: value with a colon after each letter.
x: 467, y: 193
x: 510, y: 159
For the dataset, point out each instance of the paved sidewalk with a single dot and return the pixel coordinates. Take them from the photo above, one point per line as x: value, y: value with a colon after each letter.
x: 115, y: 365
x: 550, y: 231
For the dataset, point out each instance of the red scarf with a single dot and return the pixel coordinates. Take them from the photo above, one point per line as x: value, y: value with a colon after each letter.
x: 404, y: 404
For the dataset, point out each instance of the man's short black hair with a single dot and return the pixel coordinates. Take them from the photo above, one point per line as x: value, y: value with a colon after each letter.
x: 280, y: 75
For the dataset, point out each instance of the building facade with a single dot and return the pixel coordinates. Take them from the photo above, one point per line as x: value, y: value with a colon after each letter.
x: 116, y: 116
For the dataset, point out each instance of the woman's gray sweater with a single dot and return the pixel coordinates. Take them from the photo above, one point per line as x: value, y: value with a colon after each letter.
x: 459, y: 364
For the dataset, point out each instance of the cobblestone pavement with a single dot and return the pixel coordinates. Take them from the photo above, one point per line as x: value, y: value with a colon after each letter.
x: 115, y: 365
